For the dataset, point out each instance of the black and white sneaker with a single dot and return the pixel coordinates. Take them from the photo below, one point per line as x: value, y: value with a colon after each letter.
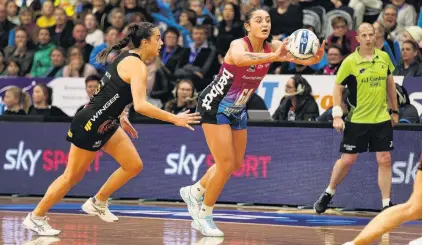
x: 321, y: 205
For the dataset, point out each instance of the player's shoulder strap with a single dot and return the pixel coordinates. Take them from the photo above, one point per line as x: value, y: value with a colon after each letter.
x: 124, y: 55
x: 266, y: 46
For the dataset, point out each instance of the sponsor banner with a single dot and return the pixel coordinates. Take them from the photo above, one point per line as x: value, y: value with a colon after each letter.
x: 279, y: 167
x: 68, y: 93
x: 272, y: 89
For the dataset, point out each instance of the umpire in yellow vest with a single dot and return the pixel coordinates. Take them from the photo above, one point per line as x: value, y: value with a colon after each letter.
x: 369, y: 125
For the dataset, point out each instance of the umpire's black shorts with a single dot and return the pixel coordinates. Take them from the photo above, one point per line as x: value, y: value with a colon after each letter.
x: 360, y: 137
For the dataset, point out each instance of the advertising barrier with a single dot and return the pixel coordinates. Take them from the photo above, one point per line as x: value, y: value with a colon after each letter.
x: 69, y: 93
x: 282, y: 165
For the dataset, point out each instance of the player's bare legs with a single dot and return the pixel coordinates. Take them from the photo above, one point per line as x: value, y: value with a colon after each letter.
x: 340, y: 170
x: 131, y: 166
x: 129, y: 160
x: 78, y: 162
x: 393, y: 217
x: 384, y: 176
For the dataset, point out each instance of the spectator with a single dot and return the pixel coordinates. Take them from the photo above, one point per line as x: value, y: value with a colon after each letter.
x: 298, y: 104
x: 27, y: 22
x: 21, y: 52
x: 117, y: 19
x: 296, y: 69
x: 79, y: 35
x: 42, y: 61
x: 2, y: 62
x: 335, y: 58
x: 342, y: 36
x: 245, y: 7
x: 187, y: 20
x: 61, y: 32
x: 413, y: 33
x: 388, y: 18
x: 101, y: 11
x: 13, y: 68
x: 198, y: 63
x: 230, y: 28
x: 46, y: 19
x: 33, y: 5
x: 58, y: 59
x: 407, y: 15
x: 95, y: 36
x: 256, y: 103
x: 363, y: 8
x: 12, y: 12
x: 286, y: 18
x: 111, y: 39
x: 76, y: 66
x: 16, y: 101
x: 411, y: 64
x: 42, y: 100
x: 91, y: 84
x: 171, y: 51
x: 382, y: 44
x: 5, y: 27
x: 149, y: 5
x: 185, y: 98
x: 198, y: 6
x: 131, y: 8
x: 407, y: 112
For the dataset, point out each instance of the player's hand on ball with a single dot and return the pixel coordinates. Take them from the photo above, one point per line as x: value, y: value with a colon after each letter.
x: 185, y: 119
x: 313, y: 60
x: 280, y: 53
x: 127, y: 126
x: 394, y: 119
x: 338, y: 124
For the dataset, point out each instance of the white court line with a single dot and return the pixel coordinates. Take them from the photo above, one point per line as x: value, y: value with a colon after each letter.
x: 227, y: 222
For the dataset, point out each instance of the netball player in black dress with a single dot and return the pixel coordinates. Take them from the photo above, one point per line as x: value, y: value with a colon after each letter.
x: 101, y: 125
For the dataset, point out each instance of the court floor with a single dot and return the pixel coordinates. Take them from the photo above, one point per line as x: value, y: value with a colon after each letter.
x: 170, y: 224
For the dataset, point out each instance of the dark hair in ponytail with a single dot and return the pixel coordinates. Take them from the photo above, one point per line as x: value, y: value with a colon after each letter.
x: 248, y: 16
x: 135, y: 33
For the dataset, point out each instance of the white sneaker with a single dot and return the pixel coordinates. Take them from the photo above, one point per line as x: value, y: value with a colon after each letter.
x: 193, y: 203
x: 349, y: 243
x: 210, y: 241
x: 207, y: 227
x: 101, y: 211
x: 42, y: 241
x: 194, y: 226
x: 40, y: 226
x: 418, y: 241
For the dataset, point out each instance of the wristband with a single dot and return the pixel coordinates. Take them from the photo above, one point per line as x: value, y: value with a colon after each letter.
x: 337, y: 111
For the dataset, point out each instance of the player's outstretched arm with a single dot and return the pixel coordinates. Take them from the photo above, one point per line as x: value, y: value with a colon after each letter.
x: 240, y: 57
x: 137, y: 71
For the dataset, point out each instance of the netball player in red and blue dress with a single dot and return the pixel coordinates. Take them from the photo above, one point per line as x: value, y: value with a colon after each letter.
x: 222, y: 106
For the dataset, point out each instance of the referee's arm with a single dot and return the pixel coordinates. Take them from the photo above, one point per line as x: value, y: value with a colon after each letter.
x: 392, y: 93
x: 342, y: 79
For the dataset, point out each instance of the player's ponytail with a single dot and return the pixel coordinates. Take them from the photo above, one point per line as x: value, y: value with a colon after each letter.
x: 136, y: 33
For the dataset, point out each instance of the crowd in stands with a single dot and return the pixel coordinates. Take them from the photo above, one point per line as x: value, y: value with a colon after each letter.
x: 61, y: 38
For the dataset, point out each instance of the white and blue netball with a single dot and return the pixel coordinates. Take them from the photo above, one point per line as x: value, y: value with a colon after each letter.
x: 303, y: 44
